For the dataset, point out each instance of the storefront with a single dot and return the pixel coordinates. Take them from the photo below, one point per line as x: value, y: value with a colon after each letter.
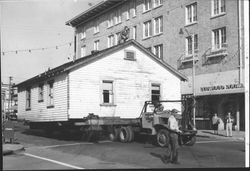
x: 217, y: 93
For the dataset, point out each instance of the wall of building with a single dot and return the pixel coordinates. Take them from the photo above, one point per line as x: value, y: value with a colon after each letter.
x: 39, y: 111
x: 131, y: 80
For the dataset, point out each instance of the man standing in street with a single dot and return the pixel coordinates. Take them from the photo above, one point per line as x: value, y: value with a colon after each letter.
x: 173, y: 126
x: 229, y: 124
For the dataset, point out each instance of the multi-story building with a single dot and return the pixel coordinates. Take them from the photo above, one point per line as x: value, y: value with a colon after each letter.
x: 202, y: 39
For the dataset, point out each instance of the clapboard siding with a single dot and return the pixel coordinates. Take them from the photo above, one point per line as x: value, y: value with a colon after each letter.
x: 132, y: 85
x: 39, y: 111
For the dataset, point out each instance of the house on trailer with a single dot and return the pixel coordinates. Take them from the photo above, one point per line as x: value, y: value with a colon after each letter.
x: 112, y: 82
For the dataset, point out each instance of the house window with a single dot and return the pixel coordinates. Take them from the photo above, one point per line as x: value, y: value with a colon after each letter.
x: 189, y: 44
x: 158, y: 25
x: 147, y: 29
x: 50, y: 94
x: 157, y: 3
x: 28, y: 98
x: 111, y: 20
x: 83, y: 34
x: 40, y: 92
x: 218, y: 7
x: 158, y: 51
x: 155, y: 92
x: 218, y: 38
x: 107, y: 92
x: 96, y: 45
x: 83, y: 51
x: 134, y: 33
x: 130, y: 55
x: 133, y: 8
x: 147, y: 5
x: 191, y: 13
x: 96, y: 28
x: 118, y: 17
x: 110, y: 41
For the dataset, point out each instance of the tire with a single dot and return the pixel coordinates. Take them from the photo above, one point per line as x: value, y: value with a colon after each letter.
x: 124, y: 135
x: 191, y: 142
x: 162, y: 138
x: 131, y: 134
x: 114, y: 135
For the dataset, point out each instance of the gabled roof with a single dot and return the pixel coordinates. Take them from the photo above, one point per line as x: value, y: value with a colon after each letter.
x: 94, y: 57
x: 93, y: 11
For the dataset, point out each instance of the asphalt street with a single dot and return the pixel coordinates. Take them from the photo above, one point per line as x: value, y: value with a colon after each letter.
x: 70, y: 152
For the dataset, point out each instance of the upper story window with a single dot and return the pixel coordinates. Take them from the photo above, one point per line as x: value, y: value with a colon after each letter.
x: 147, y: 5
x: 157, y: 3
x: 96, y: 44
x: 219, y: 38
x: 50, y: 93
x: 117, y: 35
x: 83, y: 51
x: 110, y: 41
x: 158, y: 25
x: 118, y: 16
x: 96, y: 28
x: 134, y: 32
x: 218, y: 7
x: 191, y: 13
x: 127, y: 13
x: 83, y: 34
x: 28, y: 98
x: 155, y: 92
x: 129, y: 55
x: 111, y: 20
x: 147, y: 29
x: 190, y: 44
x: 158, y: 51
x: 107, y: 92
x: 133, y: 9
x: 40, y: 92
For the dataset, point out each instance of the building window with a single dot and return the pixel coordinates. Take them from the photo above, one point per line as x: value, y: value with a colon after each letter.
x: 133, y: 8
x: 96, y: 28
x: 118, y: 17
x: 191, y: 13
x: 40, y: 92
x: 110, y: 41
x: 111, y: 20
x: 83, y: 51
x: 155, y: 92
x: 218, y: 7
x: 129, y: 55
x: 96, y: 44
x: 147, y: 29
x: 147, y: 5
x: 117, y: 35
x: 218, y: 38
x: 83, y: 34
x: 189, y: 44
x: 158, y: 25
x: 127, y: 13
x: 134, y: 32
x: 157, y: 3
x: 28, y: 98
x: 50, y: 93
x: 107, y: 92
x: 158, y: 51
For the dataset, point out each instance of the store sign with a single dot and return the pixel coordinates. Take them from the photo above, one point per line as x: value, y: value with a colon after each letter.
x: 221, y: 87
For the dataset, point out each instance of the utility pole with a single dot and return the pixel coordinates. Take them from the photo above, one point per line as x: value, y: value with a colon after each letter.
x: 193, y: 83
x: 9, y: 100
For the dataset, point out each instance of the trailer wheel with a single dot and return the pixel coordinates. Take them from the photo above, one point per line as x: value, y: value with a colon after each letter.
x: 114, y: 135
x: 131, y: 134
x: 192, y: 141
x: 124, y: 134
x: 162, y: 138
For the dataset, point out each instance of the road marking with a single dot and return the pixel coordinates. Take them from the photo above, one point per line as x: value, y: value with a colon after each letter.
x: 53, y: 161
x: 201, y: 142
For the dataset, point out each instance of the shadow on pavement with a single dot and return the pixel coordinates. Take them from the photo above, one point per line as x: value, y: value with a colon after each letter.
x: 214, y: 134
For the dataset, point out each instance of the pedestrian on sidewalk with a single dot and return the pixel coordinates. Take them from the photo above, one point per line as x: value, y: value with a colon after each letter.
x: 229, y: 124
x: 215, y: 123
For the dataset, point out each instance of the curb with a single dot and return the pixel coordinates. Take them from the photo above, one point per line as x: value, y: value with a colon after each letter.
x: 12, y: 151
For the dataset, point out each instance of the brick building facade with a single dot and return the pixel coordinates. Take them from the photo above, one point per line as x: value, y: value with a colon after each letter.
x: 184, y: 33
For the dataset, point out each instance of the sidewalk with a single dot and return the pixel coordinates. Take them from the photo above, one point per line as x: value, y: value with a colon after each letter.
x: 12, y: 148
x: 237, y: 135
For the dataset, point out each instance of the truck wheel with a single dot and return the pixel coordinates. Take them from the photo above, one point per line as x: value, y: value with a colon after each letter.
x: 162, y: 138
x: 124, y: 134
x: 192, y: 141
x: 113, y: 136
x: 131, y: 134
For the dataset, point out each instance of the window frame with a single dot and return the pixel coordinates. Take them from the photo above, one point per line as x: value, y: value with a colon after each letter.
x: 28, y: 98
x: 111, y: 97
x: 160, y: 3
x: 148, y: 4
x: 158, y: 48
x: 189, y: 44
x: 151, y: 91
x: 51, y: 94
x: 134, y: 32
x: 147, y: 25
x: 83, y: 34
x: 129, y: 51
x: 191, y: 14
x: 160, y: 25
x: 219, y: 8
x: 219, y: 32
x: 40, y: 92
x: 83, y: 51
x: 96, y: 44
x: 96, y: 28
x: 111, y: 40
x: 133, y: 9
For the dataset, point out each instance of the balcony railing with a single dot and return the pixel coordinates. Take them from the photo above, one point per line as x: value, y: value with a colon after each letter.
x: 214, y: 53
x: 187, y: 59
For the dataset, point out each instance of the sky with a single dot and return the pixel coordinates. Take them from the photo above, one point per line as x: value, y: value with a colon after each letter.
x: 36, y: 24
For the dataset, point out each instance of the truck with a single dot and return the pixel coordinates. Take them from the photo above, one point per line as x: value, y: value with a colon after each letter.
x: 152, y: 122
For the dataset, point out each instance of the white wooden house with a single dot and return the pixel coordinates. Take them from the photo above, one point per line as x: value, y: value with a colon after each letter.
x: 112, y: 82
